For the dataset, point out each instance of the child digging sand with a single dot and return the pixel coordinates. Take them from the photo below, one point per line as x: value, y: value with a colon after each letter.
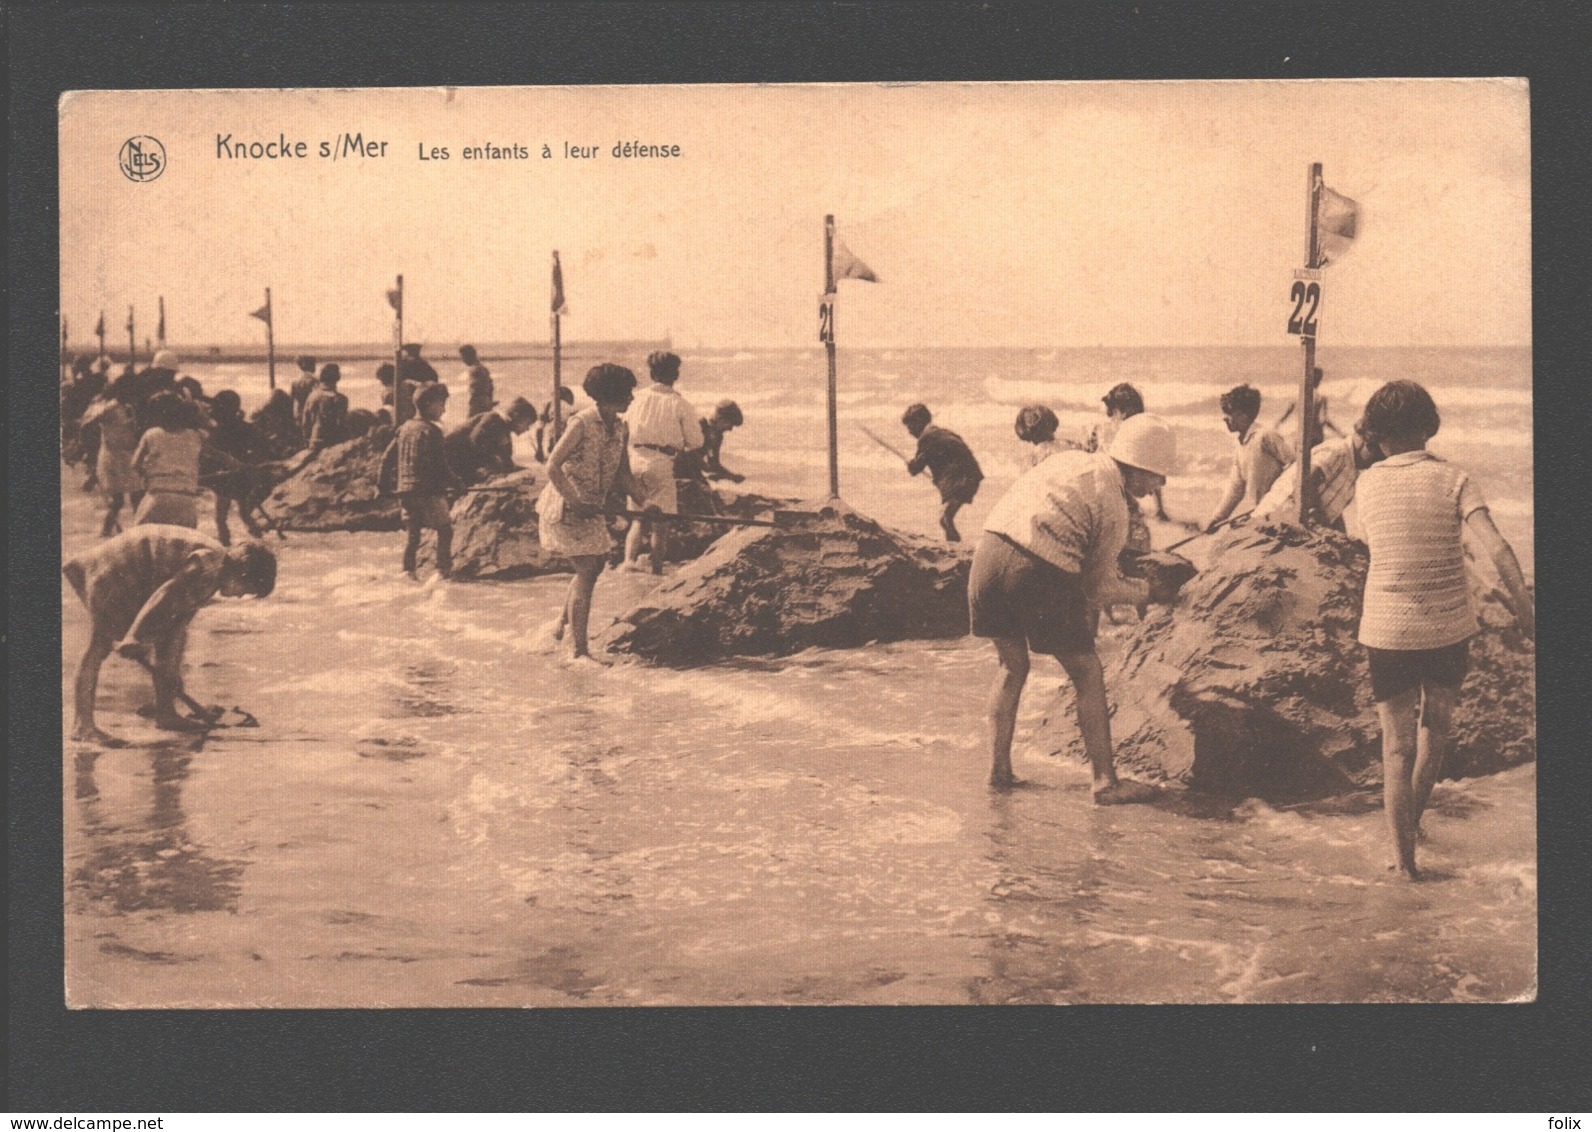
x: 1417, y: 620
x: 588, y: 461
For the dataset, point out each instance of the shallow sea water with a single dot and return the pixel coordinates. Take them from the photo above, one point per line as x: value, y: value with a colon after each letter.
x: 432, y: 813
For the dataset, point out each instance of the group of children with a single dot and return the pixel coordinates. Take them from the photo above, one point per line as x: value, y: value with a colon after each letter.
x: 1048, y: 560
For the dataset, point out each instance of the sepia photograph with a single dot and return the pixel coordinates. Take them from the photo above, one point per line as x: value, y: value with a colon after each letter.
x: 1030, y: 543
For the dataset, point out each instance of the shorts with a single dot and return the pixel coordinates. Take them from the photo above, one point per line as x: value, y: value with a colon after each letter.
x: 1396, y: 671
x: 1015, y: 594
x: 426, y: 509
x: 959, y: 488
x: 654, y: 476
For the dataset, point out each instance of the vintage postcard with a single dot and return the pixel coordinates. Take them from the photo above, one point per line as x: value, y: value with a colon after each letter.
x: 1034, y: 543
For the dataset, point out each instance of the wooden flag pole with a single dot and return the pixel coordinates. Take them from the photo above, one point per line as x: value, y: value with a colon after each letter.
x: 1307, y: 406
x: 99, y: 332
x: 160, y: 326
x: 399, y: 400
x: 827, y: 328
x: 132, y: 341
x: 558, y: 361
x: 270, y: 341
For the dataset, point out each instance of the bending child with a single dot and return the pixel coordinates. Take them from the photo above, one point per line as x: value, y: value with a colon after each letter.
x: 145, y: 586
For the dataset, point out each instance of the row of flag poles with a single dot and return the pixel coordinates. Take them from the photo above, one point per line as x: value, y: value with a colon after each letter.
x: 132, y: 334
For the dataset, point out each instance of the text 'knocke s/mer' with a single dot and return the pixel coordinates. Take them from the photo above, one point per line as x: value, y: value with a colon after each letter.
x: 280, y: 148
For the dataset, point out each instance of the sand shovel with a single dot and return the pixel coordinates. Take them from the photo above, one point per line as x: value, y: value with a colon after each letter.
x: 210, y: 717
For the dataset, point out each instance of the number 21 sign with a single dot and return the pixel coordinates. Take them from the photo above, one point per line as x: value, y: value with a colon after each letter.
x: 1306, y: 299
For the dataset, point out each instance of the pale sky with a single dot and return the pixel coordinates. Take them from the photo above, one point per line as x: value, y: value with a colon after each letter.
x: 1030, y: 214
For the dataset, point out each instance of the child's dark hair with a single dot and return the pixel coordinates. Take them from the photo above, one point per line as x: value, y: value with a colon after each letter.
x: 1400, y: 409
x: 256, y: 565
x: 663, y: 366
x: 1125, y: 399
x: 1242, y: 400
x: 608, y: 382
x: 917, y: 416
x: 1036, y: 424
x: 430, y: 391
x: 168, y: 411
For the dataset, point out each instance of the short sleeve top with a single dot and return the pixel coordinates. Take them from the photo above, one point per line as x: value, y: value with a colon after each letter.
x: 1413, y: 507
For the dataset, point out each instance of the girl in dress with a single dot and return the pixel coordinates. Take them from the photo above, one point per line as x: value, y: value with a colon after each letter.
x: 117, y: 424
x: 167, y: 458
x: 586, y: 464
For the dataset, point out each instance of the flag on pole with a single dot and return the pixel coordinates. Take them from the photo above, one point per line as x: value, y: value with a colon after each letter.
x: 99, y: 327
x: 263, y: 314
x: 1337, y: 224
x: 559, y: 305
x: 160, y: 326
x: 848, y: 266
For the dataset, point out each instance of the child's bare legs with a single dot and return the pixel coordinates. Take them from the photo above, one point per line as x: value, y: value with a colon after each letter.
x: 577, y: 606
x: 113, y: 508
x: 642, y: 531
x: 167, y: 675
x: 86, y: 687
x: 1094, y: 720
x: 1160, y: 508
x: 223, y: 509
x: 948, y: 521
x: 1012, y: 653
x: 1431, y: 744
x: 445, y: 549
x: 1397, y: 717
x: 412, y: 529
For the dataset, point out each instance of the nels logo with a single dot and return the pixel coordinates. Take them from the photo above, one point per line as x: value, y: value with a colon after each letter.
x: 142, y: 158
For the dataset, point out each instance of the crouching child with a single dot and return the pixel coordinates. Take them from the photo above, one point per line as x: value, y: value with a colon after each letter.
x: 141, y: 590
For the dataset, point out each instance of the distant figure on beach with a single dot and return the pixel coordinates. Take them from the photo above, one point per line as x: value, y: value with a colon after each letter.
x: 590, y: 460
x: 167, y: 460
x: 706, y: 463
x: 77, y: 394
x: 1335, y: 465
x: 1417, y: 620
x: 1050, y: 549
x: 160, y: 377
x: 1262, y: 454
x: 951, y: 465
x: 116, y: 425
x: 1036, y: 426
x: 142, y: 589
x: 1318, y: 401
x: 417, y: 465
x: 483, y: 446
x: 544, y: 423
x: 230, y: 465
x: 326, y: 412
x: 302, y: 387
x: 1122, y: 401
x: 274, y: 420
x: 662, y: 425
x: 412, y: 367
x: 478, y: 381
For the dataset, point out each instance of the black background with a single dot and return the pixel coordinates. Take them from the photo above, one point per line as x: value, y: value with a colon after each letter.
x: 1523, y: 1057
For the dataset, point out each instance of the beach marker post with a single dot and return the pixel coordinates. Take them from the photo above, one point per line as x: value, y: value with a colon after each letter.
x: 160, y: 325
x: 826, y: 332
x: 1307, y: 290
x: 99, y: 332
x: 132, y: 340
x: 395, y: 299
x: 559, y: 306
x: 264, y: 315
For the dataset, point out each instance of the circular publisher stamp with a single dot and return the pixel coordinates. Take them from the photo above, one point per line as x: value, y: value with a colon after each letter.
x: 142, y: 158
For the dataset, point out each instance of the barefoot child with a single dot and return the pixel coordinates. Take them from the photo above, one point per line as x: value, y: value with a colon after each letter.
x: 588, y: 461
x: 167, y: 457
x: 950, y: 462
x: 1050, y: 548
x: 1417, y: 620
x: 422, y: 478
x: 115, y: 423
x: 146, y: 585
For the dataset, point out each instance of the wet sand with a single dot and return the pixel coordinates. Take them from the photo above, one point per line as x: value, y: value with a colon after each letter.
x: 432, y: 814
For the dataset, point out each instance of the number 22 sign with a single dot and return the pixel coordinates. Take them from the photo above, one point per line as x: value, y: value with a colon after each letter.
x: 1306, y: 299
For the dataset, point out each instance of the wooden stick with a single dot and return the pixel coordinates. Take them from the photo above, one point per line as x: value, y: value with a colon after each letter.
x: 885, y: 444
x: 1213, y: 530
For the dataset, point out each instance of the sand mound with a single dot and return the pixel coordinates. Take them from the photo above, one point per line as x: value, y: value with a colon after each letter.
x: 837, y: 581
x: 1254, y: 684
x: 495, y: 531
x: 336, y: 490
